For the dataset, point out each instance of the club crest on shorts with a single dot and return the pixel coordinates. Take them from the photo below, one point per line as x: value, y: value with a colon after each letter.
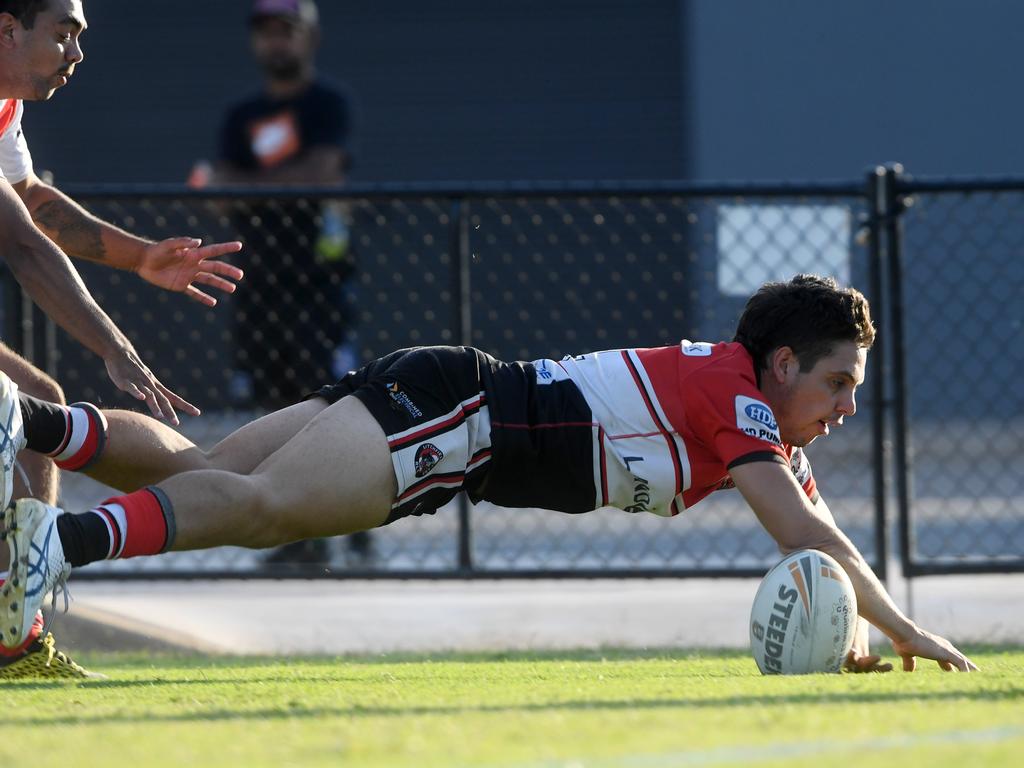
x: 428, y: 456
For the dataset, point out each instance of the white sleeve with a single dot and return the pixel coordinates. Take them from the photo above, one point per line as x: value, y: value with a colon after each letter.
x: 15, y: 159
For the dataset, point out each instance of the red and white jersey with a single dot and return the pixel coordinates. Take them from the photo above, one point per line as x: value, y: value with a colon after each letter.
x: 15, y: 160
x: 672, y: 420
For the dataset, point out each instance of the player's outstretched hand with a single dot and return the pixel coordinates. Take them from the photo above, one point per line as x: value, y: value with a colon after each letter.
x: 181, y: 263
x: 860, y: 658
x: 870, y: 662
x: 929, y: 646
x: 131, y: 375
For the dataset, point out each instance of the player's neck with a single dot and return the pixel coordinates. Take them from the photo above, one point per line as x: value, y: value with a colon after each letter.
x: 290, y: 87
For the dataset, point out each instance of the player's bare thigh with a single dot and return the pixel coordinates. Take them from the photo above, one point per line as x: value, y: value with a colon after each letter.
x: 336, y: 472
x: 249, y: 446
x: 142, y: 451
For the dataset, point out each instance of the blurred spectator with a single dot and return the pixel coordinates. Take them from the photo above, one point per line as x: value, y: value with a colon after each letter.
x: 294, y: 325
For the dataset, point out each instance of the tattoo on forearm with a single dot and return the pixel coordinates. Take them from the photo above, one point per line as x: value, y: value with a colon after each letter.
x: 73, y: 230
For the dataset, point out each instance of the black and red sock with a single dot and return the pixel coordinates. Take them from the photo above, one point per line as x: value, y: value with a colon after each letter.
x: 140, y: 523
x: 73, y: 435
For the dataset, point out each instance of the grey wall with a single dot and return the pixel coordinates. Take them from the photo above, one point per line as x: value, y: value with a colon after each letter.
x: 572, y: 89
x: 455, y: 90
x: 810, y: 89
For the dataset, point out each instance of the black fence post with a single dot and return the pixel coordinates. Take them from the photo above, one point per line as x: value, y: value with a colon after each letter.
x: 461, y: 260
x: 875, y: 193
x: 901, y: 454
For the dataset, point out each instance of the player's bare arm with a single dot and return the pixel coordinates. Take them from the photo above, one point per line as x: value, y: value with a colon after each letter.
x: 789, y: 517
x: 860, y: 658
x: 178, y: 264
x: 50, y: 279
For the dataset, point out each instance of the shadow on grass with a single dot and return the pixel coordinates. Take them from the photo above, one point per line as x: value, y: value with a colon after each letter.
x: 200, y: 661
x: 356, y: 711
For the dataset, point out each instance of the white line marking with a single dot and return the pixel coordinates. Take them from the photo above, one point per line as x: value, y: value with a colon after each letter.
x: 747, y: 755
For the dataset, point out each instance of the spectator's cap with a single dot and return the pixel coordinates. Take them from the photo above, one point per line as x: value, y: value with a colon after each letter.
x: 298, y: 10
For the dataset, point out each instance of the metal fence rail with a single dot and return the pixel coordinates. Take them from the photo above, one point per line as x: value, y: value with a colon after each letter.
x: 526, y: 271
x: 961, y: 288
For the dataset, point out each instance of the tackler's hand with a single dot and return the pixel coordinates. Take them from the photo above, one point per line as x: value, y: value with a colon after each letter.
x: 131, y: 375
x: 181, y: 263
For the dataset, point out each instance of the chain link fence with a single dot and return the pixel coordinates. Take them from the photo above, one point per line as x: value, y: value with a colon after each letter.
x: 528, y: 272
x: 962, y: 282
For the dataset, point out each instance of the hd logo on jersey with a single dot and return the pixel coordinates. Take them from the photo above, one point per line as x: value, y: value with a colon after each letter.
x: 427, y: 457
x: 756, y: 419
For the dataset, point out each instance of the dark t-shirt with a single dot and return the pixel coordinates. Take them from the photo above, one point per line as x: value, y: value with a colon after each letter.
x: 293, y: 312
x: 261, y: 132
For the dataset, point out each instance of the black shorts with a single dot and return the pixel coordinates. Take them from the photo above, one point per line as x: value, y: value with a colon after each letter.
x: 458, y: 419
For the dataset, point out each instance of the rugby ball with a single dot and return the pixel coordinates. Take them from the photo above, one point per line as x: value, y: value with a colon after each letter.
x: 804, y: 616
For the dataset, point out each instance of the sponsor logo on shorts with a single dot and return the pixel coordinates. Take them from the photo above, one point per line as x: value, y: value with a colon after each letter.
x: 402, y: 399
x: 756, y: 419
x: 427, y: 457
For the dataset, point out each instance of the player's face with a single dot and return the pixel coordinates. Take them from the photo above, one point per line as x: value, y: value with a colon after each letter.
x: 282, y: 47
x: 49, y: 51
x: 807, y: 405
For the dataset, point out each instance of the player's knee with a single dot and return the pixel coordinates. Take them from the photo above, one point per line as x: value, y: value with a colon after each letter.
x: 219, y: 457
x: 272, y: 518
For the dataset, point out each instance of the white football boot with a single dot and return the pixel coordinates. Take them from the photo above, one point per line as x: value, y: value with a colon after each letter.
x: 37, y: 567
x: 12, y: 435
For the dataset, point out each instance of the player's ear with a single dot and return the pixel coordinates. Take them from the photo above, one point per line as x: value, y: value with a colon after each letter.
x: 7, y: 26
x: 783, y: 363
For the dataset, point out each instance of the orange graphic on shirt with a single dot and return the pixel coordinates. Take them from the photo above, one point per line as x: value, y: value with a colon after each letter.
x: 275, y: 139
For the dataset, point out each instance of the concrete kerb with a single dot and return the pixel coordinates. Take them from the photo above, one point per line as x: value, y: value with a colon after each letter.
x: 356, y: 617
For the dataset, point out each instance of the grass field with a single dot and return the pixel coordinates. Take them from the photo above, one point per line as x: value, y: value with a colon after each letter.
x: 582, y: 710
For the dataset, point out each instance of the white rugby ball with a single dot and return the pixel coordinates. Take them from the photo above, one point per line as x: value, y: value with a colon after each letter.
x: 804, y: 616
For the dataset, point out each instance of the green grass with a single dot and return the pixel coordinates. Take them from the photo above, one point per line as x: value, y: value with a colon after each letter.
x: 546, y: 710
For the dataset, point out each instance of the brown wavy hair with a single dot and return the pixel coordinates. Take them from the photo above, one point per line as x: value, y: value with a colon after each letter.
x: 809, y: 314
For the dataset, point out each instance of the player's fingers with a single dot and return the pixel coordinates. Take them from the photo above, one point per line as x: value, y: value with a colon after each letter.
x: 866, y: 664
x: 214, y: 282
x: 151, y: 402
x: 177, y: 243
x: 909, y: 663
x: 133, y: 390
x: 949, y: 666
x: 178, y: 401
x: 163, y: 403
x: 203, y: 298
x: 225, y: 269
x: 971, y: 666
x: 214, y: 250
x: 870, y: 663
